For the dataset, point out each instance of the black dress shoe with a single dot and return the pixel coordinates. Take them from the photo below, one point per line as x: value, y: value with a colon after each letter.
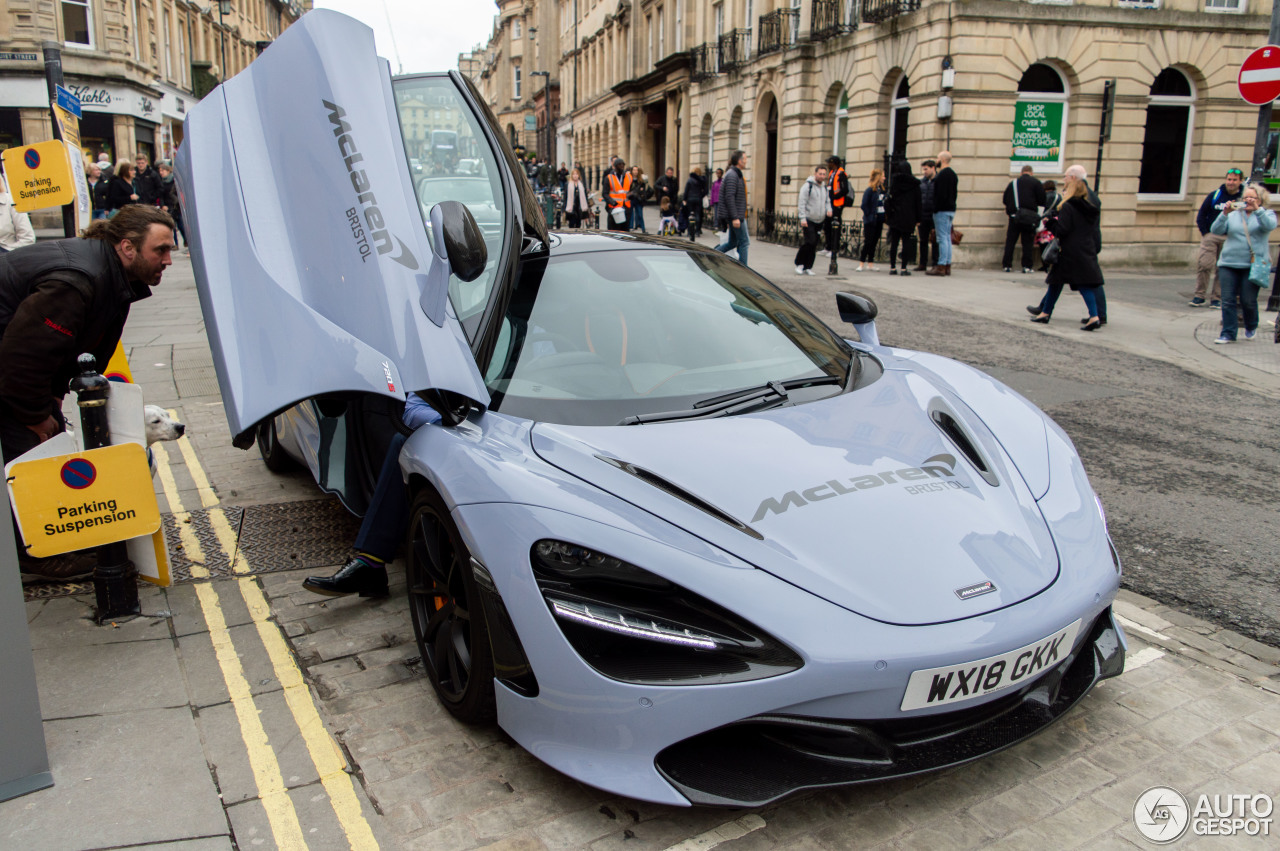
x: 357, y: 576
x: 1034, y: 310
x: 1091, y: 326
x: 1043, y: 320
x: 1085, y: 321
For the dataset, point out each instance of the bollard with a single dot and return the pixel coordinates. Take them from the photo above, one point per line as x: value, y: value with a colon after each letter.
x: 115, y: 583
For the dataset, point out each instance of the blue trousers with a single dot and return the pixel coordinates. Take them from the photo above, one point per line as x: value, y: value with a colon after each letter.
x: 739, y: 239
x: 1094, y: 299
x: 383, y: 528
x: 1237, y: 289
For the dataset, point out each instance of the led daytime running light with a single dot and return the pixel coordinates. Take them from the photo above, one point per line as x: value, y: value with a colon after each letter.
x: 653, y: 632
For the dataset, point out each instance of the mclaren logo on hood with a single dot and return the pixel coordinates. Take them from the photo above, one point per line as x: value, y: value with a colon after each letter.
x: 938, y: 467
x: 364, y: 192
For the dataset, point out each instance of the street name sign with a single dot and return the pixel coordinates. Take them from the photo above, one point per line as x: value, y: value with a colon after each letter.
x: 39, y: 176
x: 1259, y: 80
x: 85, y: 499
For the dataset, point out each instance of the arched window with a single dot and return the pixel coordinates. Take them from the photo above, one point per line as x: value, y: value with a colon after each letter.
x: 709, y: 145
x: 899, y: 114
x: 1039, y: 121
x: 1166, y: 141
x: 840, y: 130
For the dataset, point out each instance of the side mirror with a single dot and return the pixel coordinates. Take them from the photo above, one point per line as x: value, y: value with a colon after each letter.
x: 459, y: 249
x: 860, y: 312
x: 457, y: 239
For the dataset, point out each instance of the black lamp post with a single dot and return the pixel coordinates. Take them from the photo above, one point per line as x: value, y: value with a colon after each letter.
x: 224, y: 8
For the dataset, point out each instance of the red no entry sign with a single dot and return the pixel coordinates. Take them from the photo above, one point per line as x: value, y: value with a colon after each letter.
x: 1259, y: 79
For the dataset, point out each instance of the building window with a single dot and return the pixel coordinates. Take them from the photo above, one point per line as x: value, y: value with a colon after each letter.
x: 515, y: 82
x: 840, y: 132
x: 1139, y: 4
x: 516, y: 29
x: 648, y: 25
x: 719, y: 19
x: 679, y: 26
x: 77, y: 23
x: 1039, y: 121
x: 1224, y: 6
x: 899, y: 118
x: 1166, y: 141
x: 662, y: 34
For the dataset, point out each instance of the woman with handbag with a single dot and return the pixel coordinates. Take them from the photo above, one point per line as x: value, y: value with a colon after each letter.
x: 1079, y: 236
x: 577, y: 202
x: 872, y: 220
x: 1244, y: 267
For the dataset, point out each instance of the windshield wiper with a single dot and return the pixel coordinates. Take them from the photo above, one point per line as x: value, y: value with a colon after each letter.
x: 737, y: 402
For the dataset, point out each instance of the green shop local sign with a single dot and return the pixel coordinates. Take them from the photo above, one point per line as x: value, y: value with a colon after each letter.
x: 1037, y: 133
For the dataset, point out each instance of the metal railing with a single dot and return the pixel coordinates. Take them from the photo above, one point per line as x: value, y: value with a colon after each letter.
x: 784, y: 229
x: 829, y: 20
x: 735, y: 49
x: 876, y: 11
x: 702, y: 62
x: 777, y: 31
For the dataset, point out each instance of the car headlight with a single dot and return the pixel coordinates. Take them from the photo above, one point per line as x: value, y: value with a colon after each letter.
x: 634, y: 626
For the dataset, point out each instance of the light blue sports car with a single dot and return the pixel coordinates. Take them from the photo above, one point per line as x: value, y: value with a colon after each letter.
x: 683, y: 541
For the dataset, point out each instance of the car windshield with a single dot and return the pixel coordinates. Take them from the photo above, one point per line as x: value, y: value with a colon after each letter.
x: 615, y: 334
x: 447, y: 151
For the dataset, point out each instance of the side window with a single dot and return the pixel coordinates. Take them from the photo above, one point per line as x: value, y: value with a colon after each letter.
x: 450, y: 160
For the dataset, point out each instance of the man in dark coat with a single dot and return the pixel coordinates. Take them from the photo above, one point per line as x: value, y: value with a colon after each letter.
x: 147, y: 183
x: 1023, y: 199
x: 667, y: 187
x: 733, y: 207
x: 58, y: 300
x: 928, y: 168
x: 1232, y: 189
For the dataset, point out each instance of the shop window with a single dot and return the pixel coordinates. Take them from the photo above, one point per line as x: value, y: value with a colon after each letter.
x: 1166, y: 140
x: 77, y: 23
x: 1039, y: 121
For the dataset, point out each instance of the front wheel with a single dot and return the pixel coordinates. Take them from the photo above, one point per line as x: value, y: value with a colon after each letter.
x: 448, y: 619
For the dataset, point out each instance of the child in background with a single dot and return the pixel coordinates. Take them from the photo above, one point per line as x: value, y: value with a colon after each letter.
x: 668, y: 226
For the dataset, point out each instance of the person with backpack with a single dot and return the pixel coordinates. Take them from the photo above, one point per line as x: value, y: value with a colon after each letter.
x: 813, y: 208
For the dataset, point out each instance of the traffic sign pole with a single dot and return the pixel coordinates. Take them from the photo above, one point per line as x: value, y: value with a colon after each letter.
x: 53, y: 79
x: 115, y: 583
x: 1264, y: 110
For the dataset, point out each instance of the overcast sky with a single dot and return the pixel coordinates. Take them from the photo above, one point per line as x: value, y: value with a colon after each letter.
x: 429, y: 34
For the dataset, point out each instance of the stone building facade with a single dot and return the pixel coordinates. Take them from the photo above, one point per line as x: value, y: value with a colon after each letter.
x: 1000, y: 83
x: 136, y: 65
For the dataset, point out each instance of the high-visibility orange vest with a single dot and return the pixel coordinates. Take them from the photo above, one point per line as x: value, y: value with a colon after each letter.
x: 618, y: 190
x: 836, y: 202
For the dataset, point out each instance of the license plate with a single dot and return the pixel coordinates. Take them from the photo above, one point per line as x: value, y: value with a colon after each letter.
x: 953, y: 683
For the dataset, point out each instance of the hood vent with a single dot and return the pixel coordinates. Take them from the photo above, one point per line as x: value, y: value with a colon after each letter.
x: 681, y: 494
x: 960, y: 439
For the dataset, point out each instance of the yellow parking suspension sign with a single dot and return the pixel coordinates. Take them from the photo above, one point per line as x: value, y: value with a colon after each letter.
x: 39, y: 176
x: 87, y: 499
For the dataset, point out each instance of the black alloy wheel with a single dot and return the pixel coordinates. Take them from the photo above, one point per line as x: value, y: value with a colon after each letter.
x: 448, y: 619
x: 276, y: 459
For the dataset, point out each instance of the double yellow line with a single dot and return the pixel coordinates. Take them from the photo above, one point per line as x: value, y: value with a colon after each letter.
x: 325, y: 754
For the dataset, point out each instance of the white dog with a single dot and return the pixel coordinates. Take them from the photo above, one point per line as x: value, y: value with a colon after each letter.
x: 160, y: 426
